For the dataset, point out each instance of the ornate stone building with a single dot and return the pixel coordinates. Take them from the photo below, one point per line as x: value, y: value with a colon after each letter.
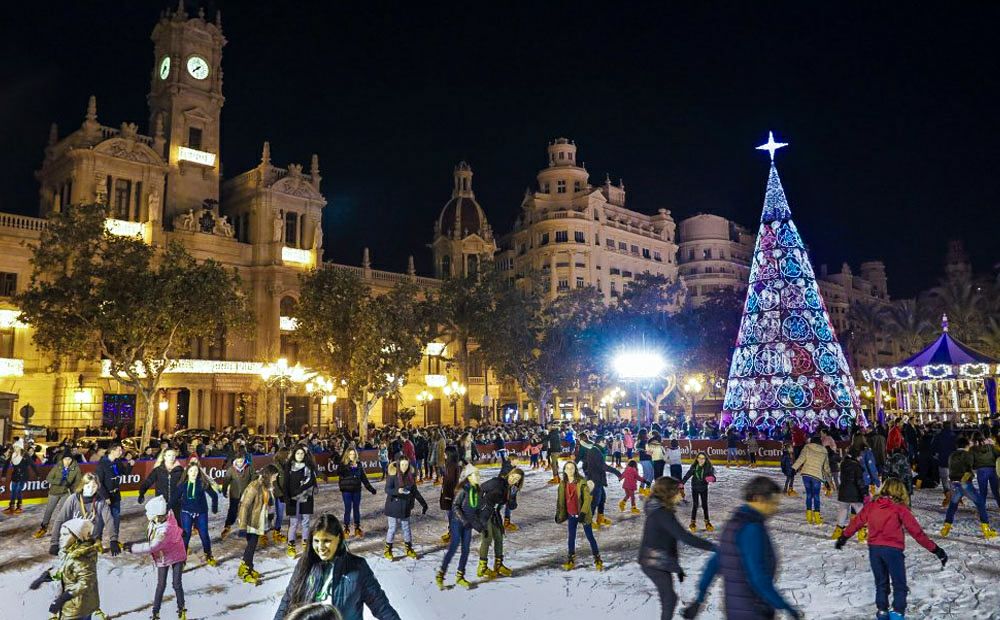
x: 166, y: 186
x: 713, y: 254
x: 575, y: 234
x: 463, y: 239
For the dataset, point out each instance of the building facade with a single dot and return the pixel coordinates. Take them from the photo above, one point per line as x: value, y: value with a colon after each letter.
x: 574, y: 234
x: 713, y: 254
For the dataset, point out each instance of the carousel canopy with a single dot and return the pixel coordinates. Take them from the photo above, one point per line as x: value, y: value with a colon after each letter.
x: 945, y: 358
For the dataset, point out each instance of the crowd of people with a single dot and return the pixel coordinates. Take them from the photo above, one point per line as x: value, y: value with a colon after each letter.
x: 873, y: 472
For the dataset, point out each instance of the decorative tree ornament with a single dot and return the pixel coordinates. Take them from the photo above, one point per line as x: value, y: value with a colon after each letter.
x: 787, y: 363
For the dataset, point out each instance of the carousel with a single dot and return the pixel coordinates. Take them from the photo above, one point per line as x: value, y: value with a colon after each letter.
x: 948, y: 380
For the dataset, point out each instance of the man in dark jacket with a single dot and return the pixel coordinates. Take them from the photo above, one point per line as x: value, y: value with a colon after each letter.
x: 747, y: 560
x: 554, y: 441
x: 943, y: 445
x: 109, y: 471
x: 596, y: 469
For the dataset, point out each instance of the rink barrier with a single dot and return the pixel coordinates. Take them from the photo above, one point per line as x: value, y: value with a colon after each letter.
x: 36, y: 491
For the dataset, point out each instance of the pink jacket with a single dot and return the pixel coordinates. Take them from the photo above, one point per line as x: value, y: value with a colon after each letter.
x: 628, y: 440
x: 631, y: 478
x: 166, y: 542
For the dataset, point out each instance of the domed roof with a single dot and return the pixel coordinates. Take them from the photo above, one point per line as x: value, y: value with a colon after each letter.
x: 462, y: 216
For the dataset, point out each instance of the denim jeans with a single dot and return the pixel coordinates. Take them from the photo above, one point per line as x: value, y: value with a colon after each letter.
x: 572, y: 522
x: 600, y: 497
x: 987, y: 477
x: 647, y: 473
x: 394, y: 524
x: 813, y: 488
x: 888, y: 565
x: 459, y: 536
x: 352, y: 506
x: 17, y: 491
x: 279, y: 514
x: 161, y: 585
x: 188, y: 520
x: 960, y: 490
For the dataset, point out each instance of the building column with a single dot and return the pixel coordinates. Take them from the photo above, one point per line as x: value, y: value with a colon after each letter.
x: 170, y: 420
x: 553, y: 277
x: 572, y: 270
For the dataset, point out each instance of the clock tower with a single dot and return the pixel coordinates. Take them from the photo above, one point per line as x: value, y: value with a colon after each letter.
x: 185, y: 105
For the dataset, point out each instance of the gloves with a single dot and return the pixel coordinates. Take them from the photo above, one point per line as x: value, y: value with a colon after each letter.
x: 115, y: 549
x: 374, y: 492
x: 43, y: 578
x: 57, y: 605
x: 680, y: 575
x: 841, y: 541
x: 141, y: 499
x: 691, y: 611
x: 941, y: 555
x: 53, y: 549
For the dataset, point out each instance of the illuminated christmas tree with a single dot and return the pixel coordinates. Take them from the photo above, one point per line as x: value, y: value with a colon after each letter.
x: 787, y: 362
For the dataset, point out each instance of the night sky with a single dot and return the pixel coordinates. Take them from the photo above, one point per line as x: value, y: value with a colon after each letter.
x: 892, y: 115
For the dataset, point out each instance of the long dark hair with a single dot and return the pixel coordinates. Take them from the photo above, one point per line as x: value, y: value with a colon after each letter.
x: 299, y: 584
x: 315, y: 611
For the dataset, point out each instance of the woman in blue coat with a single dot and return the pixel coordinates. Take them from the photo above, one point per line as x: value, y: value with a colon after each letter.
x: 329, y: 573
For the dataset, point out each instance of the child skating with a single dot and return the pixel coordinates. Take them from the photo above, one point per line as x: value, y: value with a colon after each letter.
x: 574, y: 507
x: 887, y: 518
x: 165, y: 543
x: 701, y: 473
x: 630, y: 483
x: 76, y: 572
x: 252, y: 519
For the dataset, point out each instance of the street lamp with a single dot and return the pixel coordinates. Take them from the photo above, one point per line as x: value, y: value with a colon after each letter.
x: 424, y: 398
x: 322, y: 389
x: 281, y: 375
x: 454, y: 391
x: 692, y: 387
x: 638, y: 365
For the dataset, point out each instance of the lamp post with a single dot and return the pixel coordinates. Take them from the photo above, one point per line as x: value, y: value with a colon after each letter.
x: 424, y: 398
x: 454, y: 391
x: 281, y: 375
x: 639, y: 365
x: 322, y: 389
x: 692, y: 387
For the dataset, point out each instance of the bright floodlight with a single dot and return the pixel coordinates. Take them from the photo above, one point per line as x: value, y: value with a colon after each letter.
x: 639, y: 364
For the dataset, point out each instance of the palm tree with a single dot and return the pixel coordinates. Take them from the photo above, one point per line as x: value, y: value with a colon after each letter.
x: 963, y: 300
x: 865, y: 320
x: 908, y: 321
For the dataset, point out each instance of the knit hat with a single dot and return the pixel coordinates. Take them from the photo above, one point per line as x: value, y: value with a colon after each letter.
x: 156, y: 507
x: 81, y: 528
x: 467, y: 471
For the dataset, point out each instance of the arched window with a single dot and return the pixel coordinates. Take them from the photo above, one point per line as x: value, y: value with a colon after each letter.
x: 472, y: 261
x: 446, y: 267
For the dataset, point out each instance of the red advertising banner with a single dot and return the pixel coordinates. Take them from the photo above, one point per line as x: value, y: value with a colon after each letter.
x: 768, y: 453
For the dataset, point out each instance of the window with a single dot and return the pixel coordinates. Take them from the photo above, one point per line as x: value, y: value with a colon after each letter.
x: 472, y: 263
x: 120, y: 203
x: 614, y: 271
x: 597, y: 239
x: 626, y: 274
x: 708, y: 253
x: 194, y: 137
x: 581, y: 265
x: 576, y: 186
x: 521, y: 250
x: 569, y: 156
x: 138, y: 202
x: 614, y: 287
x: 562, y: 236
x: 623, y: 246
x: 562, y: 155
x: 8, y: 284
x: 610, y: 243
x: 544, y: 240
x: 560, y: 187
x: 579, y: 282
x: 563, y: 284
x: 709, y: 270
x: 657, y: 257
x: 596, y: 216
x: 690, y: 254
x: 579, y: 237
x: 7, y: 342
x: 446, y: 267
x: 645, y: 252
x: 291, y: 230
x: 635, y: 249
x: 545, y: 188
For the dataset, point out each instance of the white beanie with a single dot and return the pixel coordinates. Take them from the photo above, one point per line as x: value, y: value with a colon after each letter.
x: 156, y: 507
x: 81, y: 528
x: 467, y: 471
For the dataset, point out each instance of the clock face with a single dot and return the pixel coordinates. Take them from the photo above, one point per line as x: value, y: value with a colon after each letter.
x: 197, y: 67
x: 165, y: 67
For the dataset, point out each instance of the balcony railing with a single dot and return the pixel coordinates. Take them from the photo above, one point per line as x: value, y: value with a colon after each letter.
x: 22, y: 222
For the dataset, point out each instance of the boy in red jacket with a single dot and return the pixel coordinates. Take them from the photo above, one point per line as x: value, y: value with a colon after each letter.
x: 886, y: 518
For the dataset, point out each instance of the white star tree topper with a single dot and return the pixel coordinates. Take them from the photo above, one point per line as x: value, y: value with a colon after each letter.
x: 771, y: 146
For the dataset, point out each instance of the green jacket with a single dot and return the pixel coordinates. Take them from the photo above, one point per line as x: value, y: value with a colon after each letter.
x: 984, y: 455
x: 960, y: 465
x: 56, y: 486
x: 79, y: 578
x: 586, y: 511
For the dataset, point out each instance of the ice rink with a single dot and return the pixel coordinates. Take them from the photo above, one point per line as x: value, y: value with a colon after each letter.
x: 824, y: 583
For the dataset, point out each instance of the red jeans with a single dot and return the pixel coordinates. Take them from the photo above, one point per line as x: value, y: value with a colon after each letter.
x: 630, y: 495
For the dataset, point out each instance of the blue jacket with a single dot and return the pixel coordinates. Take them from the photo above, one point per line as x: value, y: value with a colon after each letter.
x: 352, y: 586
x: 191, y: 498
x: 748, y: 565
x: 869, y: 468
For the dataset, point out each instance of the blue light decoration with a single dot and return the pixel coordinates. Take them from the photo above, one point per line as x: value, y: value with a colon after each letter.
x: 787, y: 364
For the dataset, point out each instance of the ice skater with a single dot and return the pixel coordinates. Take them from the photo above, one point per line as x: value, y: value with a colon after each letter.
x: 574, y: 506
x: 165, y: 543
x: 701, y: 473
x: 630, y: 483
x: 400, y: 494
x: 960, y: 472
x: 192, y: 497
x: 77, y: 572
x: 300, y: 486
x: 887, y: 518
x: 463, y: 519
x: 252, y: 519
x: 62, y: 480
x: 351, y: 477
x: 850, y: 493
x: 814, y: 465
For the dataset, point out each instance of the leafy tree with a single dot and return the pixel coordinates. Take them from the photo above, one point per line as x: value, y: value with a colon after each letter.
x: 96, y: 294
x: 369, y: 341
x: 908, y: 323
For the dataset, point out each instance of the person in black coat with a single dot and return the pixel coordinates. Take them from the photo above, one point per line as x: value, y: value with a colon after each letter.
x: 449, y: 486
x: 164, y: 478
x: 554, y: 446
x: 400, y: 493
x: 300, y: 486
x: 351, y: 477
x: 658, y: 549
x: 852, y: 490
x: 497, y: 493
x: 109, y: 471
x: 596, y: 468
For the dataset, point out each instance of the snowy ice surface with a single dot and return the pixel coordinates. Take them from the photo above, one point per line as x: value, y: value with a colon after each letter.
x: 824, y: 583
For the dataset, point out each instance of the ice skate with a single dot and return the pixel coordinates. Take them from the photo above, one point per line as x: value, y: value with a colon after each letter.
x: 410, y: 553
x: 598, y: 563
x: 225, y: 533
x: 837, y: 531
x: 945, y: 530
x: 387, y: 552
x: 460, y: 580
x: 483, y: 570
x: 570, y: 562
x: 358, y: 533
x: 621, y: 506
x: 182, y: 614
x: 9, y: 510
x: 895, y: 615
x: 507, y: 525
x: 863, y: 534
x: 693, y: 527
x: 446, y: 538
x: 603, y: 520
x: 40, y: 532
x: 809, y: 516
x: 636, y: 511
x: 988, y: 532
x: 439, y: 579
x: 279, y: 537
x: 499, y: 569
x: 817, y: 518
x: 210, y: 560
x: 553, y: 480
x: 709, y: 527
x: 290, y: 550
